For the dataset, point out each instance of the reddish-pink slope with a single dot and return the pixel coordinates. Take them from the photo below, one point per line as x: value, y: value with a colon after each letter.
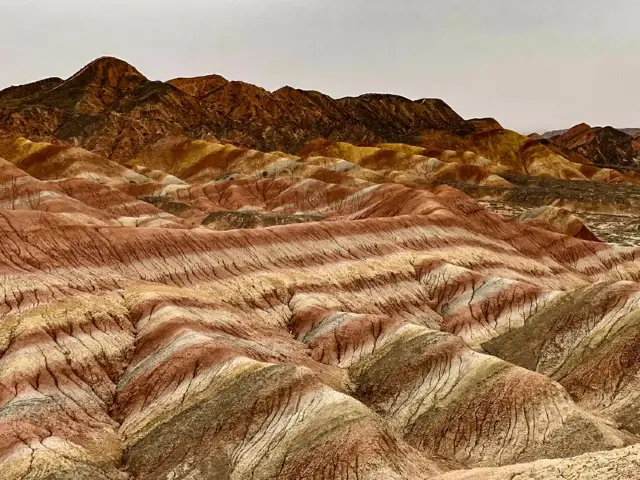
x: 229, y: 331
x: 352, y: 345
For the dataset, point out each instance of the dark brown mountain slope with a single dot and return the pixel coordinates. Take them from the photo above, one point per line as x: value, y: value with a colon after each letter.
x: 109, y: 107
x: 20, y: 92
x: 604, y: 146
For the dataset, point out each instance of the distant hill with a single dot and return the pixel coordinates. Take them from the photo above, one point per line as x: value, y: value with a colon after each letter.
x: 634, y: 132
x: 604, y: 146
x: 552, y: 133
x: 112, y: 109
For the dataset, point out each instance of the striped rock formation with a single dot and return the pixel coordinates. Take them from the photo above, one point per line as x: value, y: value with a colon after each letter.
x: 379, y: 341
x: 560, y: 220
x: 623, y: 463
x: 199, y: 310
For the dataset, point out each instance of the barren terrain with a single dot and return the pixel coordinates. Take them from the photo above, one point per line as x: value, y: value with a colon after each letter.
x: 201, y: 279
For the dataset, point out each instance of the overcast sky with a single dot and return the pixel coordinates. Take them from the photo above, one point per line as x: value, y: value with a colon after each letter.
x: 533, y: 65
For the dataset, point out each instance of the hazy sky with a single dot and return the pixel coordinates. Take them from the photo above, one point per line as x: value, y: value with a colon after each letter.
x: 532, y: 64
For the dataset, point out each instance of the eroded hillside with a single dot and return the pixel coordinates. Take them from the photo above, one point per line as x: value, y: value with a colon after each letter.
x: 174, y: 306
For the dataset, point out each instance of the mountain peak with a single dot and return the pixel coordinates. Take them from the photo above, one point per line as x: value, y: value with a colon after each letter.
x: 107, y: 71
x: 94, y: 87
x: 580, y: 127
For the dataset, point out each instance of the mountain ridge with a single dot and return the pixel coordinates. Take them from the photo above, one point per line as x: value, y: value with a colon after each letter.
x: 111, y: 99
x: 603, y: 145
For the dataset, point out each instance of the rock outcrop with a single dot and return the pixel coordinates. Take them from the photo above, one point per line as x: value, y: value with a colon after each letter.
x: 560, y: 220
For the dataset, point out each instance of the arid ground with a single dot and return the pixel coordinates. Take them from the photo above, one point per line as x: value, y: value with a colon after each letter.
x: 202, y: 279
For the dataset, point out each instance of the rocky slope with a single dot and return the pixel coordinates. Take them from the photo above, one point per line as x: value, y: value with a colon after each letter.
x: 604, y: 146
x: 187, y: 308
x: 138, y: 343
x: 560, y: 220
x: 112, y: 109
